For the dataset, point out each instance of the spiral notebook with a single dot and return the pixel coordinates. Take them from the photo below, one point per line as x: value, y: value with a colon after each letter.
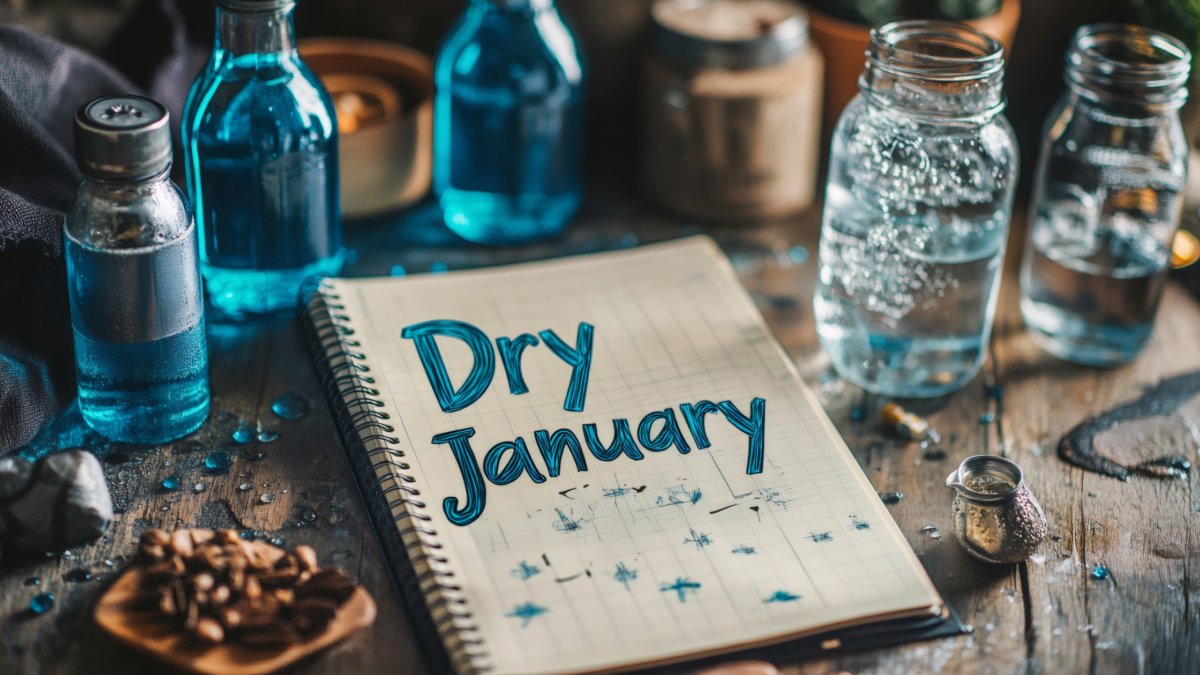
x: 603, y: 463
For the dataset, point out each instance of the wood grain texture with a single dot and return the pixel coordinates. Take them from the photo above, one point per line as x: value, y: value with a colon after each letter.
x: 1030, y: 618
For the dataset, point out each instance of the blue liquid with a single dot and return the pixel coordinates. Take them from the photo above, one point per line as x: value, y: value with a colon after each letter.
x: 261, y: 143
x: 144, y: 392
x: 508, y: 131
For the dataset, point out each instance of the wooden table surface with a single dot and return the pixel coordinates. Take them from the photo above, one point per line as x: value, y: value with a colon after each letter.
x: 1043, y: 616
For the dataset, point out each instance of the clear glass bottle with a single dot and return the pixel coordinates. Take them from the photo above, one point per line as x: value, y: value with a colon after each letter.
x: 921, y: 179
x: 1107, y: 196
x: 134, y: 279
x: 260, y: 141
x: 508, y: 122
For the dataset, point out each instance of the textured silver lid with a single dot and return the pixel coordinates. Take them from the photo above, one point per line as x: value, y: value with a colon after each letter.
x: 732, y: 34
x: 122, y: 138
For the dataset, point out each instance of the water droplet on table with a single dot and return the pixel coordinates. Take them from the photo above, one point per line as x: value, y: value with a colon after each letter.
x: 1100, y: 572
x: 308, y: 515
x: 291, y: 406
x: 858, y: 414
x: 267, y: 436
x: 254, y: 456
x: 243, y: 435
x: 78, y: 574
x: 266, y: 498
x: 277, y: 541
x: 33, y: 581
x: 247, y: 535
x: 41, y: 603
x: 171, y: 482
x: 218, y: 461
x: 891, y: 497
x: 200, y: 487
x: 66, y: 555
x: 108, y: 562
x: 987, y: 418
x: 246, y: 486
x: 932, y: 532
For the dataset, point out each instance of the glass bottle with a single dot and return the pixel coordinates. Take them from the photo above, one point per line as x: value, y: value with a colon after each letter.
x: 508, y: 127
x: 921, y: 179
x: 260, y: 141
x: 134, y: 279
x: 1107, y: 195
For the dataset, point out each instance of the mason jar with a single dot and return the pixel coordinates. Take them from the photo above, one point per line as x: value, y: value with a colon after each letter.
x: 1107, y: 195
x: 921, y: 179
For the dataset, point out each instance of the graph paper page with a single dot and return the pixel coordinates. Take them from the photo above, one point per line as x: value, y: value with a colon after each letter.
x: 633, y: 560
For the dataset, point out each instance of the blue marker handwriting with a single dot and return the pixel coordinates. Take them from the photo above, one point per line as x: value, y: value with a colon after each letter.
x: 616, y: 492
x: 565, y: 524
x: 859, y: 524
x: 782, y: 596
x: 700, y: 539
x: 525, y: 570
x: 681, y: 586
x: 624, y: 575
x: 745, y: 550
x: 509, y: 461
x: 819, y: 537
x: 526, y: 613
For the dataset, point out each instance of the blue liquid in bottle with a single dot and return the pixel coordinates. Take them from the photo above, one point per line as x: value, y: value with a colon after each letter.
x: 260, y: 138
x: 508, y: 128
x: 134, y: 279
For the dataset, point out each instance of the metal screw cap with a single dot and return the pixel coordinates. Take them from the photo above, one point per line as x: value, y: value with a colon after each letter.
x: 122, y: 138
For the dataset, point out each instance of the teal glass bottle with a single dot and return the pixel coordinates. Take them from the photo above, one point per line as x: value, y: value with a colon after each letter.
x: 508, y: 122
x: 133, y: 279
x: 260, y: 142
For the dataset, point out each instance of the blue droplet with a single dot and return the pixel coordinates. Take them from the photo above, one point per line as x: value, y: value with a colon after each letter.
x: 399, y: 271
x: 241, y: 435
x: 858, y: 414
x: 248, y: 535
x: 218, y: 461
x: 291, y: 406
x: 987, y: 418
x: 994, y: 391
x: 798, y: 254
x: 41, y: 603
x: 267, y: 436
x: 171, y: 482
x: 1099, y: 572
x: 439, y: 268
x: 891, y: 497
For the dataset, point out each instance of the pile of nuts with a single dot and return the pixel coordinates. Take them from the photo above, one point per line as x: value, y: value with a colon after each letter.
x: 225, y: 589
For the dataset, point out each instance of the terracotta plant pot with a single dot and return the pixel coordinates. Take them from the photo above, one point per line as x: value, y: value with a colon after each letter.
x: 844, y: 45
x: 386, y: 164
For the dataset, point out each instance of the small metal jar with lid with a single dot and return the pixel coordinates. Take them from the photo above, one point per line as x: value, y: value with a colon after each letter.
x: 733, y: 108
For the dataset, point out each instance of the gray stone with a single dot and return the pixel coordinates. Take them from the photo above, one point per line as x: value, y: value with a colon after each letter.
x: 15, y: 473
x: 66, y: 505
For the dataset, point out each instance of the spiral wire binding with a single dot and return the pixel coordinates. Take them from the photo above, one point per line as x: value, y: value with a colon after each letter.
x: 443, y: 624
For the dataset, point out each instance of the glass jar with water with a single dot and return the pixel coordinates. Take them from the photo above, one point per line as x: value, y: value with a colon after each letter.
x: 1107, y: 195
x: 921, y: 180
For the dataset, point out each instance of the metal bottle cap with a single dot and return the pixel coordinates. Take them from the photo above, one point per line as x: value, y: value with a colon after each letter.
x: 732, y: 34
x: 122, y: 138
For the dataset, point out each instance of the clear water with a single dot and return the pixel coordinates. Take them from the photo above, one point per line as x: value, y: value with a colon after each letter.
x: 1091, y: 302
x: 508, y: 129
x: 144, y: 392
x: 1107, y: 201
x: 912, y: 245
x: 261, y: 143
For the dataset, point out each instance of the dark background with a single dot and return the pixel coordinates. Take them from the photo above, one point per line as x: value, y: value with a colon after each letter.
x: 614, y: 36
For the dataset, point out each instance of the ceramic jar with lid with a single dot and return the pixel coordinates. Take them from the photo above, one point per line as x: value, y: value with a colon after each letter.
x: 733, y: 109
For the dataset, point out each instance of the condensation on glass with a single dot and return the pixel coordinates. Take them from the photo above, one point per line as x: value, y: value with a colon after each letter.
x: 921, y: 179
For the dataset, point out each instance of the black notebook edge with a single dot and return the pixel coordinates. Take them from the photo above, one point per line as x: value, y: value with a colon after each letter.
x: 406, y: 582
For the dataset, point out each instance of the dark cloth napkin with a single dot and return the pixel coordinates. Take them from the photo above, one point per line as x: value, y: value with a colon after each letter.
x: 42, y: 82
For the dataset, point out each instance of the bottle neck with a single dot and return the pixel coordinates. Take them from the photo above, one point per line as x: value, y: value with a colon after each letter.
x: 268, y: 31
x: 934, y: 70
x: 1129, y: 69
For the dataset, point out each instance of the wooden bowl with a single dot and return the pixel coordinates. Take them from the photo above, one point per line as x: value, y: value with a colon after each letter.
x: 152, y: 634
x: 389, y: 164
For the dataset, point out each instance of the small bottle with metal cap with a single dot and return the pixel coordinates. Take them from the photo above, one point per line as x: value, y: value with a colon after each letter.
x: 134, y: 278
